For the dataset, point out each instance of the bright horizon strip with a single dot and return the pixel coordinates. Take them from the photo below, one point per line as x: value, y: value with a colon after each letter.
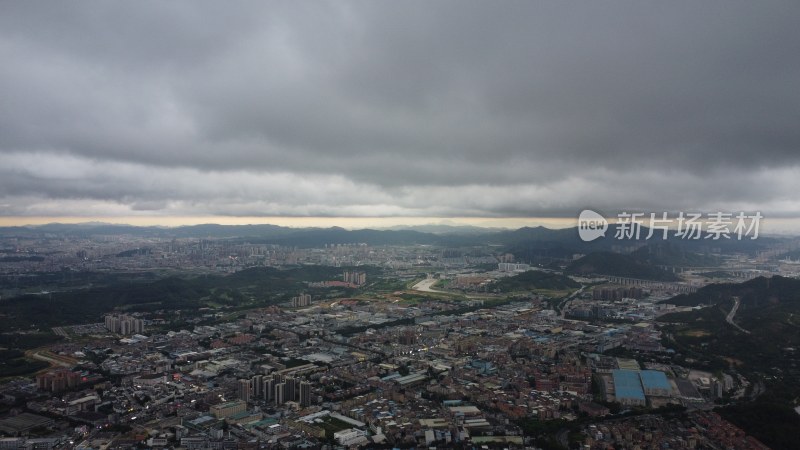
x: 780, y: 225
x: 297, y: 222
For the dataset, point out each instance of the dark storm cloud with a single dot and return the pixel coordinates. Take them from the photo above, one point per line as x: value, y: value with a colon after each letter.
x: 398, y: 108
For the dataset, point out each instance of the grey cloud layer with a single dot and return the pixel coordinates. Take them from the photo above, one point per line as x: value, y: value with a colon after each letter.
x: 397, y: 108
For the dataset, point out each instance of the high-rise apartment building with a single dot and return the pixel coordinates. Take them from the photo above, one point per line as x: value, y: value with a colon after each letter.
x: 124, y: 324
x: 357, y: 278
x: 301, y: 300
x: 305, y: 393
x: 280, y: 393
x: 244, y: 390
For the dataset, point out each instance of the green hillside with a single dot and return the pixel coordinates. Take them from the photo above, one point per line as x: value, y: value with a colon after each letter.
x: 757, y: 292
x: 615, y: 264
x: 668, y: 254
x: 534, y: 279
x: 767, y: 352
x: 251, y: 287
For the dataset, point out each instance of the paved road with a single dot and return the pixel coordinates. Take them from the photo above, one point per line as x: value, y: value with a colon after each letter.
x: 732, y: 313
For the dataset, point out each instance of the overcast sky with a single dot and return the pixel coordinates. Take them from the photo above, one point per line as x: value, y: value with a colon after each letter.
x: 399, y: 109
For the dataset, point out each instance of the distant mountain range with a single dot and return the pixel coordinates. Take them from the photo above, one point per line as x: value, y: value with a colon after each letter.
x: 527, y: 243
x: 444, y: 229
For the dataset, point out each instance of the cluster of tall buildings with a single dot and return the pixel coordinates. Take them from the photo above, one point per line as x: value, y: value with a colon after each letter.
x: 617, y: 293
x: 357, y: 278
x: 507, y: 258
x: 124, y: 324
x: 301, y: 300
x: 275, y: 388
x: 512, y: 267
x: 58, y: 380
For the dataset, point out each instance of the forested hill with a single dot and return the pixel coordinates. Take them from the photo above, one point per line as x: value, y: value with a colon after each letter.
x: 251, y: 287
x: 762, y: 344
x: 616, y: 264
x: 534, y: 279
x: 754, y: 293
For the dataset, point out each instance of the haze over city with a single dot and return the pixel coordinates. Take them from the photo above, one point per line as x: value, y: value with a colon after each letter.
x: 192, y: 112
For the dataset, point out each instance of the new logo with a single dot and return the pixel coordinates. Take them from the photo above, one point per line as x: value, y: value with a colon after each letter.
x: 591, y: 225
